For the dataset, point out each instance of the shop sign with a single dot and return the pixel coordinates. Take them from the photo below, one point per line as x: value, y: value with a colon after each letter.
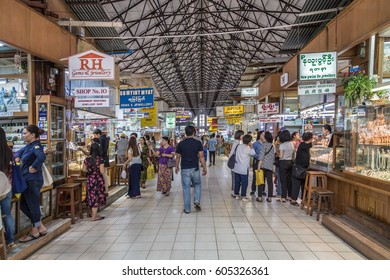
x: 316, y: 89
x: 182, y: 118
x: 249, y: 102
x: 170, y: 120
x: 102, y: 91
x: 233, y: 120
x: 233, y: 110
x: 151, y: 119
x: 91, y: 65
x: 219, y: 111
x: 136, y: 98
x: 250, y: 92
x: 284, y: 79
x: 268, y: 108
x: 6, y: 114
x: 178, y: 109
x: 270, y: 120
x: 91, y: 102
x: 136, y: 115
x: 317, y: 66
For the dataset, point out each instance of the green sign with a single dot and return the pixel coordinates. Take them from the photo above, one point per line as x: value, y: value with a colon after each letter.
x: 170, y: 120
x: 317, y: 66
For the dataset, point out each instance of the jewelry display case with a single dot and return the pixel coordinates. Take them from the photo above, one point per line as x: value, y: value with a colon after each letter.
x: 321, y: 158
x: 368, y: 135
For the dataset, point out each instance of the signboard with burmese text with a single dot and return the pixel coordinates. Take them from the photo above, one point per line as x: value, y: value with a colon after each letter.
x: 268, y: 108
x: 233, y: 110
x: 317, y: 66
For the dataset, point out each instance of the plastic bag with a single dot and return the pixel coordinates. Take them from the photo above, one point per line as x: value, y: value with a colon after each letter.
x: 124, y: 174
x: 150, y: 172
x: 259, y: 177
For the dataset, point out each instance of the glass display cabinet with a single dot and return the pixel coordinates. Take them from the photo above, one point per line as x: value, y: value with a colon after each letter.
x: 321, y: 158
x: 51, y: 118
x: 367, y: 134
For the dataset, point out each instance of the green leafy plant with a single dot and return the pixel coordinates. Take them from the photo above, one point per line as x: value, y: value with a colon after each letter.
x: 358, y: 86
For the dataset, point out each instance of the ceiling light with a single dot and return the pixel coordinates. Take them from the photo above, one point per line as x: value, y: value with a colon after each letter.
x: 1, y: 44
x: 321, y: 12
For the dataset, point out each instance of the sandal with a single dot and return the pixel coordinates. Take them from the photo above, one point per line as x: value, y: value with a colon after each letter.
x: 11, y: 245
x: 259, y: 199
x: 269, y: 199
x: 294, y: 203
x: 29, y: 237
x: 43, y: 233
x: 97, y: 219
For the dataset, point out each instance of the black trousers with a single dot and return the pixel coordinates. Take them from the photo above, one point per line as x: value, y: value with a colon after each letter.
x: 212, y: 157
x: 297, y: 185
x: 270, y: 184
x: 255, y: 165
x: 285, y: 169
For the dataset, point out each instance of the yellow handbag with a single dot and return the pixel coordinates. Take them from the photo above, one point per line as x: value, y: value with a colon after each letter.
x: 259, y: 177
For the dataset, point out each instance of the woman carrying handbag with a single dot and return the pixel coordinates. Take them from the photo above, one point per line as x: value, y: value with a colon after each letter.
x: 266, y: 163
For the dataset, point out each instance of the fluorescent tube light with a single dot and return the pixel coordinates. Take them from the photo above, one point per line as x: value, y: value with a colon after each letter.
x: 320, y: 12
x: 381, y: 87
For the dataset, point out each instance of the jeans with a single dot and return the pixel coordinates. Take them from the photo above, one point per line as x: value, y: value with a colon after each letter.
x: 233, y: 180
x: 189, y: 176
x: 255, y: 165
x: 30, y: 202
x: 278, y: 181
x: 267, y: 179
x: 285, y: 169
x: 212, y: 157
x: 134, y: 180
x: 8, y: 220
x: 240, y: 180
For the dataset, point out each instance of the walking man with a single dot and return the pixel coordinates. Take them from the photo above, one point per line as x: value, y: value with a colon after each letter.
x: 212, y: 146
x: 188, y: 153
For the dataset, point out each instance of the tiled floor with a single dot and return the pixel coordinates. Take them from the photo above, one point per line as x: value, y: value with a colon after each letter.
x: 155, y: 228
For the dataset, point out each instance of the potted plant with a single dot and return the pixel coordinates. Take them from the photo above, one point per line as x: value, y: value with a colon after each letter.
x: 358, y: 86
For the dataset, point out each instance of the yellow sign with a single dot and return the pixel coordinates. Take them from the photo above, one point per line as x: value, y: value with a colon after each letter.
x: 233, y: 110
x: 233, y: 120
x: 151, y: 119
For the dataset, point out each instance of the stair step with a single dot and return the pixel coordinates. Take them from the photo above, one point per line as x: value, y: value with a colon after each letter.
x: 367, y: 242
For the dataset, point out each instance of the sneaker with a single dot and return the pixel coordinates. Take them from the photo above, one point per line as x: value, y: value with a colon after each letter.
x: 234, y: 195
x: 246, y: 199
x: 197, y: 206
x: 238, y: 197
x: 259, y: 199
x: 283, y: 200
x: 294, y: 202
x: 269, y: 199
x: 252, y: 193
x: 187, y: 212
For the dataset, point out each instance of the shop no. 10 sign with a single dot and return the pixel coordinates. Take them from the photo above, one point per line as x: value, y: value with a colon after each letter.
x: 268, y: 108
x: 317, y: 66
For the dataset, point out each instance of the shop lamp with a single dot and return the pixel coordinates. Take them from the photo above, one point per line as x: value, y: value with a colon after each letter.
x: 381, y: 87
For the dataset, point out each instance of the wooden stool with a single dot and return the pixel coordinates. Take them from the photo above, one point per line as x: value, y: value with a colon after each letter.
x: 320, y: 195
x: 84, y: 207
x: 314, y: 180
x: 71, y: 197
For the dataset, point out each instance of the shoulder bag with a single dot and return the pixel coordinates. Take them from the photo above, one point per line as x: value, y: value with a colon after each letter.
x: 299, y: 172
x: 232, y: 159
x: 18, y: 183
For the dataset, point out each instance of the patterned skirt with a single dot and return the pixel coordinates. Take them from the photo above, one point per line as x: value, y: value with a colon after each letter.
x: 164, y: 178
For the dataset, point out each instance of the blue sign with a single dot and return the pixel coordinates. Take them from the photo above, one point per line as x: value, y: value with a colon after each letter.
x: 133, y: 98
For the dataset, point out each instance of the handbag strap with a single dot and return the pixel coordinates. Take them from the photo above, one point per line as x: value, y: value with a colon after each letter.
x: 268, y: 151
x: 235, y: 150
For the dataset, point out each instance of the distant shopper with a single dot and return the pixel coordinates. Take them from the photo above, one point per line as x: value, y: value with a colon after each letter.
x: 296, y: 140
x: 164, y: 153
x: 266, y: 163
x: 134, y: 166
x: 121, y: 146
x: 303, y: 161
x: 145, y: 160
x: 241, y: 168
x: 277, y: 181
x: 96, y: 191
x: 188, y: 154
x: 212, y: 147
x: 286, y: 152
x: 219, y: 144
x: 327, y: 131
x: 204, y: 144
x: 5, y: 190
x: 238, y: 135
x: 32, y: 158
x: 257, y: 147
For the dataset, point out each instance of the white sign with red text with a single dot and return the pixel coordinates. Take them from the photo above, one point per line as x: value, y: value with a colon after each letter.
x: 91, y: 102
x: 102, y: 91
x: 268, y: 108
x: 91, y: 65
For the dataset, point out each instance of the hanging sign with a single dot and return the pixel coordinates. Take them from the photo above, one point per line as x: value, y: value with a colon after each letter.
x: 170, y: 120
x: 233, y: 120
x: 91, y: 65
x: 317, y: 66
x: 136, y: 98
x: 178, y: 109
x: 102, y: 91
x: 249, y: 102
x: 250, y: 92
x: 91, y: 102
x: 268, y: 108
x: 151, y: 119
x: 219, y: 111
x: 316, y: 89
x: 233, y: 110
x: 284, y: 79
x: 270, y: 120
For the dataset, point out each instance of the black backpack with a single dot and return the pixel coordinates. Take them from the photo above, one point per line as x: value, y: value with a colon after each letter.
x: 232, y: 159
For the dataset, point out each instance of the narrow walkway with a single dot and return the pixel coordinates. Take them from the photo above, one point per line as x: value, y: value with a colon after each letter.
x: 154, y: 227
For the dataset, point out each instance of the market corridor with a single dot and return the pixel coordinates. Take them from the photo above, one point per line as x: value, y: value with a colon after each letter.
x: 155, y: 228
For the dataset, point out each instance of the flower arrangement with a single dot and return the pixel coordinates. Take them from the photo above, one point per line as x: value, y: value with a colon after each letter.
x: 358, y: 86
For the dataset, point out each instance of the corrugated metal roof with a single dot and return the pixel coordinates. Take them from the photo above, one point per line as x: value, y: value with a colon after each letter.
x: 92, y: 10
x: 299, y: 36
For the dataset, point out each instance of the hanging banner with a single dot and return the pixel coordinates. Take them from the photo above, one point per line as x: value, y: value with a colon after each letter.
x: 219, y: 111
x: 268, y: 108
x: 151, y: 113
x: 250, y: 92
x: 136, y: 98
x: 91, y: 65
x: 102, y: 91
x: 233, y: 110
x: 317, y: 66
x: 284, y: 79
x: 170, y: 120
x: 91, y: 102
x: 316, y: 89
